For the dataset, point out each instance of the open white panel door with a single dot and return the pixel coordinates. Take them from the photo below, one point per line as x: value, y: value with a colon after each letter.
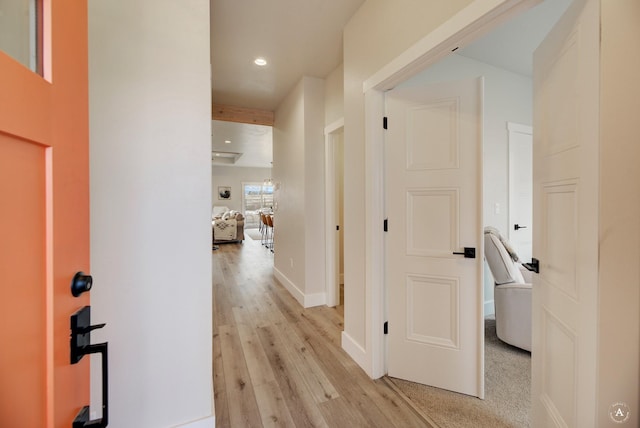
x: 434, y: 206
x: 565, y: 239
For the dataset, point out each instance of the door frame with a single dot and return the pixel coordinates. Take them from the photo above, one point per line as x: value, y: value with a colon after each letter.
x: 472, y: 22
x: 331, y: 268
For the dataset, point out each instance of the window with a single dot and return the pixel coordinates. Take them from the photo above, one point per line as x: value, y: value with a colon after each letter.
x: 21, y: 31
x: 255, y: 197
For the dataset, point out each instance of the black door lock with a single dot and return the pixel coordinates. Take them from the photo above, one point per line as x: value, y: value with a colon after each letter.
x: 81, y: 283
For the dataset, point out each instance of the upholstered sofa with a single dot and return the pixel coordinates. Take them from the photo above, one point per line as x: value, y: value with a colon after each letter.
x: 512, y: 291
x: 227, y: 225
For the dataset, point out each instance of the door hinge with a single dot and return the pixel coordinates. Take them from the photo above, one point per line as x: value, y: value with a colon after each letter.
x: 386, y: 225
x: 385, y: 328
x: 384, y: 122
x: 337, y: 227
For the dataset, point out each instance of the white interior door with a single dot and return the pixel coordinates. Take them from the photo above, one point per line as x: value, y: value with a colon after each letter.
x: 565, y: 174
x: 334, y: 183
x: 520, y: 189
x: 434, y: 205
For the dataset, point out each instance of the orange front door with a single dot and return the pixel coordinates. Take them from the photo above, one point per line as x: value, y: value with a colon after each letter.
x: 44, y: 221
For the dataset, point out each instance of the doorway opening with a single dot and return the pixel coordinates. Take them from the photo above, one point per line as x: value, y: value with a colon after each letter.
x: 256, y: 198
x: 495, y: 159
x: 241, y: 174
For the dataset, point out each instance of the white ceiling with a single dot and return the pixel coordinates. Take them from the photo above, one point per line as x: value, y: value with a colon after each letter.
x: 511, y: 45
x: 297, y: 38
x: 253, y: 141
x: 304, y: 38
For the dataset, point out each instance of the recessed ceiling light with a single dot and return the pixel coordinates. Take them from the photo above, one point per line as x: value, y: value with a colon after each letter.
x: 260, y: 61
x: 225, y: 157
x: 227, y: 141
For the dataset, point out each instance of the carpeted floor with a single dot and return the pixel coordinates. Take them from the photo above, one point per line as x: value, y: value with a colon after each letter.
x: 507, y: 400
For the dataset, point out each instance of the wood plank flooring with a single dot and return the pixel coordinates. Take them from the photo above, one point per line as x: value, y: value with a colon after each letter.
x: 276, y: 364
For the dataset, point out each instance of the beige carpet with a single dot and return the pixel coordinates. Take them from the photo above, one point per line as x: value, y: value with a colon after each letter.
x: 507, y: 400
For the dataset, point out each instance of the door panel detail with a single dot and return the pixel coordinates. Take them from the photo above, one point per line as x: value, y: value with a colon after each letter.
x: 433, y: 304
x: 561, y: 119
x: 23, y: 369
x: 432, y: 136
x: 560, y: 365
x: 560, y: 238
x: 426, y: 207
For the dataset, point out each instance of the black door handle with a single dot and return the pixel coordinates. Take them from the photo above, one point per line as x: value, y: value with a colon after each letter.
x: 534, y: 266
x: 469, y: 253
x: 517, y: 226
x: 81, y: 346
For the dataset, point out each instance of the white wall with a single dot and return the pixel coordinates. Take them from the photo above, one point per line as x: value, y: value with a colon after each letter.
x: 233, y: 177
x: 378, y: 32
x: 314, y: 209
x: 288, y: 176
x: 150, y: 208
x: 339, y: 192
x: 334, y: 96
x: 298, y: 173
x: 507, y: 98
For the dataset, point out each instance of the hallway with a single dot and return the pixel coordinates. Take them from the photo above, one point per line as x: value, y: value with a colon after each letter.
x: 277, y: 364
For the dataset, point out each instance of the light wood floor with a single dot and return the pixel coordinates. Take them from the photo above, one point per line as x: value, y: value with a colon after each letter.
x: 276, y: 364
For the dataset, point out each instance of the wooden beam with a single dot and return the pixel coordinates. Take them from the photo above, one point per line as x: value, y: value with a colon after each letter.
x: 242, y: 115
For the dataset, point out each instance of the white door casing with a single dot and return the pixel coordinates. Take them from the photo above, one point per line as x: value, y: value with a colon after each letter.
x: 434, y: 204
x: 565, y: 240
x: 520, y: 189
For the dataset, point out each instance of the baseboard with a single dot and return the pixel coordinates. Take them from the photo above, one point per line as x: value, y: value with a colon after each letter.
x: 305, y: 300
x: 489, y: 308
x: 318, y: 299
x: 356, y: 352
x: 290, y: 286
x: 209, y: 422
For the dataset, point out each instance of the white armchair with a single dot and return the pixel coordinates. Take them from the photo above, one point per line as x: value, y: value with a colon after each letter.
x: 512, y: 293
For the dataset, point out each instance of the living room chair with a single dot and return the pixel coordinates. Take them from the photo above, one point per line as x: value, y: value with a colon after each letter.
x: 512, y: 291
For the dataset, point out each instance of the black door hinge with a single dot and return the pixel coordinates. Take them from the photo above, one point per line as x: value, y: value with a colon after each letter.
x: 386, y: 225
x: 385, y: 328
x: 384, y: 122
x: 337, y: 227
